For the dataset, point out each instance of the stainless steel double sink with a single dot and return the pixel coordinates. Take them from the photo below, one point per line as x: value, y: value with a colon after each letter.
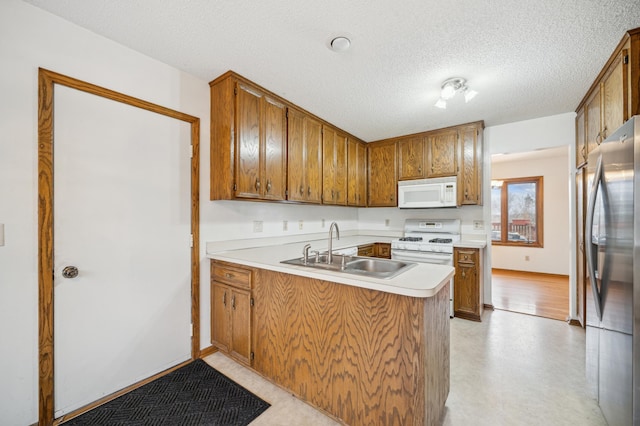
x: 357, y: 265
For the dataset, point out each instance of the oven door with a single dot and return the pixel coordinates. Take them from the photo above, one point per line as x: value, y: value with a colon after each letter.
x: 422, y: 257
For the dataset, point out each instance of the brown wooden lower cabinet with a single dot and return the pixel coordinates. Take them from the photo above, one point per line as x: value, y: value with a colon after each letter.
x: 364, y: 356
x: 382, y: 250
x: 468, y: 300
x: 231, y: 303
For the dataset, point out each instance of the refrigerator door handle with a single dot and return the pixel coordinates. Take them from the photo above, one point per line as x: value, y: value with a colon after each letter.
x: 588, y: 238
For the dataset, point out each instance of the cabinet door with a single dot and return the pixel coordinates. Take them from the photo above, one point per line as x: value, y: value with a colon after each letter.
x: 341, y: 169
x: 356, y: 172
x: 382, y: 171
x: 593, y: 120
x: 411, y: 158
x: 295, y: 155
x: 383, y: 250
x: 334, y: 166
x: 581, y: 142
x: 470, y: 182
x: 328, y: 165
x: 614, y: 96
x: 247, y: 177
x: 274, y: 151
x: 220, y: 321
x: 241, y: 325
x: 441, y: 153
x: 466, y: 287
x: 580, y: 253
x: 313, y: 159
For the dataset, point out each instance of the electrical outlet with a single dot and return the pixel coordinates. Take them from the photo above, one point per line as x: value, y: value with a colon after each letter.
x: 300, y: 223
x: 257, y: 226
x: 285, y: 225
x: 322, y: 223
x: 386, y: 222
x: 478, y: 225
x: 526, y: 258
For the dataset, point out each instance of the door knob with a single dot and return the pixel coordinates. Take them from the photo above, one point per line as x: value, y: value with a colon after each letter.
x: 70, y: 272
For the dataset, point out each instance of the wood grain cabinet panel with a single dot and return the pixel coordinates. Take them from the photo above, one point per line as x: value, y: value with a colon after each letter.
x: 411, y: 158
x: 231, y: 303
x: 382, y: 182
x: 581, y: 140
x: 614, y: 95
x: 467, y: 288
x: 304, y: 170
x: 367, y: 357
x: 470, y: 176
x: 356, y: 173
x: 334, y: 166
x: 248, y: 141
x: 442, y: 153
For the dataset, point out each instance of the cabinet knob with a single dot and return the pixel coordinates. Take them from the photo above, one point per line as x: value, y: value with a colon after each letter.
x: 463, y: 274
x: 224, y: 299
x: 233, y: 302
x: 420, y: 169
x: 268, y: 185
x: 257, y: 184
x: 301, y: 190
x: 309, y: 190
x: 228, y: 275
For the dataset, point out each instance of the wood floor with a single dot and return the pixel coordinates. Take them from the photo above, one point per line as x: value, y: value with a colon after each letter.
x: 543, y: 295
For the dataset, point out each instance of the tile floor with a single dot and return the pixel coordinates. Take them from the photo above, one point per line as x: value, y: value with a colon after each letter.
x: 510, y: 369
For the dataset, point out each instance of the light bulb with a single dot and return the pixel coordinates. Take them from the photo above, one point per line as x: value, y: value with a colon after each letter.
x: 448, y: 91
x: 469, y: 94
x: 442, y: 104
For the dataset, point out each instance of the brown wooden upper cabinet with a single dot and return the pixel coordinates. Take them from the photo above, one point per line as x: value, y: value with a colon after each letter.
x: 411, y: 158
x: 613, y: 97
x: 382, y: 174
x: 304, y: 168
x: 442, y: 153
x: 334, y: 166
x: 248, y: 141
x: 356, y: 173
x: 470, y: 175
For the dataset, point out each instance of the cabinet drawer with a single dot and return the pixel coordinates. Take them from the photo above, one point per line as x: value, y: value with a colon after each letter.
x: 467, y: 256
x: 366, y: 250
x: 236, y: 277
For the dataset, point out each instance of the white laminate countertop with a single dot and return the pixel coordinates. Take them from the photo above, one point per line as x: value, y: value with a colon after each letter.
x: 422, y: 280
x: 479, y: 244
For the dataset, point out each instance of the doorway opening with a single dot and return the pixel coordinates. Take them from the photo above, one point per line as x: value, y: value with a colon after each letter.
x: 530, y: 232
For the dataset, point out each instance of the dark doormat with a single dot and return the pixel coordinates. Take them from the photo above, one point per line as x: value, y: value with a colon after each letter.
x: 196, y: 394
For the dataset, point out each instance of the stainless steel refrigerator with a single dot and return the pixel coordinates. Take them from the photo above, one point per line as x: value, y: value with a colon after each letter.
x: 612, y: 236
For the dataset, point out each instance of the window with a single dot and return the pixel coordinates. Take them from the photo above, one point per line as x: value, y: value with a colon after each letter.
x: 516, y: 211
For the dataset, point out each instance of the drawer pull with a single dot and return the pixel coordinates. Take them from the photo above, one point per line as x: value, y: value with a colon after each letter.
x: 228, y: 275
x: 233, y: 302
x: 463, y: 274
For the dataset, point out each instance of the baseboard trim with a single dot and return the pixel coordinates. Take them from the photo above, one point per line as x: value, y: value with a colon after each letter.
x: 208, y: 351
x: 507, y: 271
x: 572, y: 321
x: 489, y: 306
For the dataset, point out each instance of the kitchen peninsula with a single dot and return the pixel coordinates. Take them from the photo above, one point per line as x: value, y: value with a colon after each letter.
x: 365, y: 350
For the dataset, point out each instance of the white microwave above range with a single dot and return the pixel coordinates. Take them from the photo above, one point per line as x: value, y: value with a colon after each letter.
x: 427, y: 193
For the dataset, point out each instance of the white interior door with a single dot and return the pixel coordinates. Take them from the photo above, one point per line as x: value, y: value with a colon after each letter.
x: 122, y: 218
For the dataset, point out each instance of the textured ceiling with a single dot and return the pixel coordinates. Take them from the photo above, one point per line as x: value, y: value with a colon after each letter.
x: 526, y: 59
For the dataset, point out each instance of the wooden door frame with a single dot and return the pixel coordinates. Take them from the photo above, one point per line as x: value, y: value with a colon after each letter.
x: 46, y: 81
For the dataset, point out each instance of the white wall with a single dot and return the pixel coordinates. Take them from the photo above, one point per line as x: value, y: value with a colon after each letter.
x: 553, y: 257
x: 31, y: 38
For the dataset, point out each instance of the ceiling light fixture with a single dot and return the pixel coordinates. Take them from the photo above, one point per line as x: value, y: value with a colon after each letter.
x: 452, y: 86
x: 340, y: 44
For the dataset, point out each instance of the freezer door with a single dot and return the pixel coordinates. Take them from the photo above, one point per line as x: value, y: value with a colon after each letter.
x: 615, y: 378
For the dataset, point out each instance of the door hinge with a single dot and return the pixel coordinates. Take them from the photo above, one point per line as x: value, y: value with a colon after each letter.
x: 286, y: 114
x: 625, y: 59
x: 251, y: 302
x: 286, y: 193
x: 190, y: 330
x: 191, y: 240
x: 190, y: 151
